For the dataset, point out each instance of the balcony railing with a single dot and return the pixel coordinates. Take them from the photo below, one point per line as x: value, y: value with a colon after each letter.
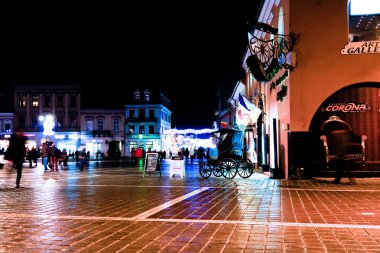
x: 134, y: 119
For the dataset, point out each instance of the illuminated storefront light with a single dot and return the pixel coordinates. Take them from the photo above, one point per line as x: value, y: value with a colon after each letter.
x: 48, y: 124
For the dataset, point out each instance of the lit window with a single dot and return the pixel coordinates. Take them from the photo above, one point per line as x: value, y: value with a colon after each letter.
x: 137, y: 96
x: 22, y: 101
x: 116, y: 125
x: 35, y: 101
x: 146, y: 96
x: 364, y: 20
x: 100, y: 125
x: 89, y: 125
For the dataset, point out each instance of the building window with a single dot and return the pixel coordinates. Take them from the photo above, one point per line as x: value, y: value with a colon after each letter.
x: 141, y: 129
x: 151, y: 129
x: 73, y: 120
x: 59, y: 101
x: 100, y: 125
x: 59, y: 121
x: 35, y: 101
x: 73, y: 101
x: 151, y: 114
x: 146, y: 95
x: 22, y: 101
x: 149, y: 145
x: 89, y: 125
x: 364, y: 20
x: 21, y: 121
x: 131, y: 129
x: 131, y: 113
x: 7, y: 127
x: 116, y: 125
x: 47, y: 101
x: 137, y: 96
x: 34, y: 120
x: 141, y: 113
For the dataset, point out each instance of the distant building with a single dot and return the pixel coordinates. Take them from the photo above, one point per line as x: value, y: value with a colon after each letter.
x: 146, y: 119
x: 103, y: 131
x: 6, y: 127
x: 48, y: 112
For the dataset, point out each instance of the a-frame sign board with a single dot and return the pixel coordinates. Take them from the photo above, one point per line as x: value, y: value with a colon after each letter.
x: 151, y: 164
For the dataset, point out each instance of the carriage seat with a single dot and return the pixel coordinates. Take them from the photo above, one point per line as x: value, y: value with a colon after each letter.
x: 340, y: 142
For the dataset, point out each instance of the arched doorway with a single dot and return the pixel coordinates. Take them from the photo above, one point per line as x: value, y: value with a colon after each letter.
x: 359, y: 106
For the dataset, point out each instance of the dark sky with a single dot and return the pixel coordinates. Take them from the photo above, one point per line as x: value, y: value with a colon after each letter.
x: 185, y: 50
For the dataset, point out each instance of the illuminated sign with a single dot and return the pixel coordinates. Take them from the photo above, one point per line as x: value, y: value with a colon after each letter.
x: 145, y: 136
x: 364, y: 47
x: 347, y: 107
x: 73, y: 136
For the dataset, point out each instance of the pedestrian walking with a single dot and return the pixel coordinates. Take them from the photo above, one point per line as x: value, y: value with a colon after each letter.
x: 53, y: 156
x: 17, y: 152
x: 45, y: 155
x: 338, y: 142
x: 82, y: 159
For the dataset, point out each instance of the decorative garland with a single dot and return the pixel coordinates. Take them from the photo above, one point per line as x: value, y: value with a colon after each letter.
x: 282, y: 93
x: 284, y: 89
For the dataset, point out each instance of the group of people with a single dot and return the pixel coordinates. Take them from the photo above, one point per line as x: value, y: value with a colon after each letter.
x: 52, y: 157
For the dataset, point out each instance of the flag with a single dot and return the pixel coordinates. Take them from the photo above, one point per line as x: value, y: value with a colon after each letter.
x: 224, y: 124
x: 244, y: 102
x: 242, y: 111
x: 246, y: 112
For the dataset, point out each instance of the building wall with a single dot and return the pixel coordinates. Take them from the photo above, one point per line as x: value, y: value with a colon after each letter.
x: 321, y: 68
x: 97, y: 140
x: 67, y: 133
x: 146, y: 140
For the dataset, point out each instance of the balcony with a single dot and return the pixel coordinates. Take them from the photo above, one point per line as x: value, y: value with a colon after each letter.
x: 133, y: 119
x: 103, y: 133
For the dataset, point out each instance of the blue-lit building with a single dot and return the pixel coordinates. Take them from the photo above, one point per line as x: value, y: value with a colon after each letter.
x: 146, y: 119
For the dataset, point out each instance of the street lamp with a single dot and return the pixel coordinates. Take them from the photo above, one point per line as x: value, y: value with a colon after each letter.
x: 48, y: 124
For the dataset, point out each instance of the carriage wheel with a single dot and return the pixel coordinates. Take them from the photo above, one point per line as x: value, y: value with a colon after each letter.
x: 205, y: 170
x: 229, y: 168
x: 245, y: 169
x: 217, y: 170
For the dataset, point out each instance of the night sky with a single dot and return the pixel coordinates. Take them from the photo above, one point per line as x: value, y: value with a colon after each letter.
x: 185, y: 50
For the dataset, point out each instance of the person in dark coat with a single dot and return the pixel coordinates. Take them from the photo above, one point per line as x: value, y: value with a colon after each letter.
x: 338, y: 144
x: 17, y: 152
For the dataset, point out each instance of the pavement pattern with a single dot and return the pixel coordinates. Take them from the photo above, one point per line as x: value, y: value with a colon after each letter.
x: 112, y: 207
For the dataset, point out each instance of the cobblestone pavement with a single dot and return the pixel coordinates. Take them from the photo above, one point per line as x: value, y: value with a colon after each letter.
x: 115, y: 209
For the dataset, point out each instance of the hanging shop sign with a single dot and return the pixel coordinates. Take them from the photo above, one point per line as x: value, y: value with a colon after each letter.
x: 363, y: 47
x: 144, y: 136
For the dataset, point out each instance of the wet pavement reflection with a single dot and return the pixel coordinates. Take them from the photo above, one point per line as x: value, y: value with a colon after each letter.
x: 112, y: 207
